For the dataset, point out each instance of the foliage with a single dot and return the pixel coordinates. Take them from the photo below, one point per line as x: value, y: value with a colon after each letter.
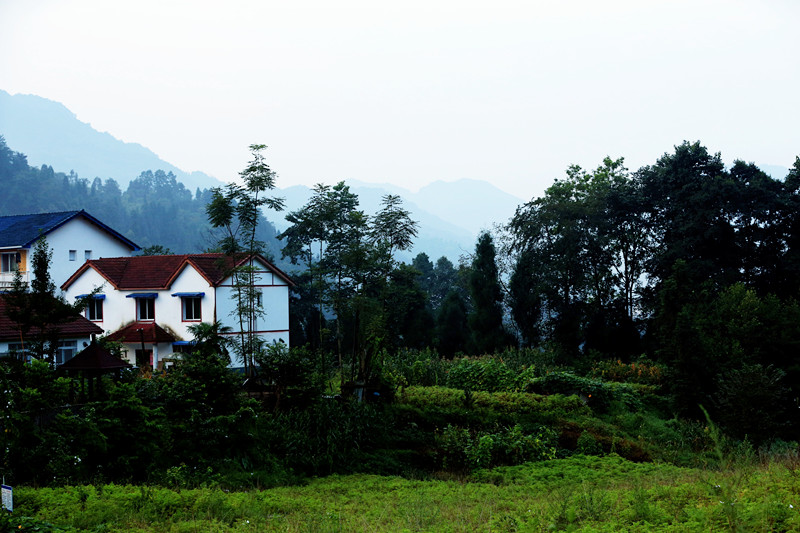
x: 487, y: 374
x: 577, y: 493
x: 283, y: 368
x: 38, y: 311
x: 237, y: 210
x: 486, y: 319
x: 642, y: 371
x: 498, y: 402
x: 451, y: 325
x: 464, y: 450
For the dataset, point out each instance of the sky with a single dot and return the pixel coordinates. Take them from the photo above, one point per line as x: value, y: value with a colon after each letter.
x: 417, y: 91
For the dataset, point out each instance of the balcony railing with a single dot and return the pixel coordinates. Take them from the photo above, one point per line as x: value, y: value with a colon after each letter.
x: 7, y: 278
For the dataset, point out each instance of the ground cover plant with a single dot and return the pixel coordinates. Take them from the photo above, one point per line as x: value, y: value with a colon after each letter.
x: 579, y: 493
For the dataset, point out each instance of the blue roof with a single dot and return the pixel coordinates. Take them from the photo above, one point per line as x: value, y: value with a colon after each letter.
x: 21, y: 231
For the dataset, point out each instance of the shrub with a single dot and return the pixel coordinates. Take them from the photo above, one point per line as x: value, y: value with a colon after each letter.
x: 644, y: 372
x: 462, y: 449
x: 509, y: 403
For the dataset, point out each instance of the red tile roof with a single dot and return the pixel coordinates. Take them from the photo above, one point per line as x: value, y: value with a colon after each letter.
x: 151, y: 332
x: 159, y: 271
x: 79, y: 327
x: 94, y: 357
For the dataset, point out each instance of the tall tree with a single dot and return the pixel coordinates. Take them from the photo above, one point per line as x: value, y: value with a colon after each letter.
x: 451, y: 325
x: 38, y: 310
x: 237, y: 209
x: 486, y: 319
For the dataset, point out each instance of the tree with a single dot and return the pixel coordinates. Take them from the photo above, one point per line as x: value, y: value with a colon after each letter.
x: 211, y: 339
x: 38, y: 311
x: 392, y: 227
x: 451, y: 326
x: 486, y: 320
x: 236, y: 210
x: 349, y: 257
x: 689, y: 197
x: 525, y: 300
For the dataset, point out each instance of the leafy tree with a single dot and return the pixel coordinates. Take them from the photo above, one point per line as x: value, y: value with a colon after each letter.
x: 688, y: 194
x: 237, y: 210
x: 392, y: 227
x: 486, y: 319
x: 38, y: 311
x: 451, y: 325
x: 525, y: 300
x: 283, y: 368
x: 211, y: 339
x: 409, y: 322
x: 156, y: 249
x: 350, y: 262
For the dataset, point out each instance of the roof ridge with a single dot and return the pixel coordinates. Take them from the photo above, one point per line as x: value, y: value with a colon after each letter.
x: 75, y: 211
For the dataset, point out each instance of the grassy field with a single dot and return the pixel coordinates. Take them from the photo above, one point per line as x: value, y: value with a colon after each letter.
x: 579, y: 493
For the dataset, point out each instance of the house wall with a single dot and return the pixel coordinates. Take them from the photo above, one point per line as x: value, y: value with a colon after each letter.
x: 169, y: 308
x: 274, y: 324
x: 80, y: 235
x: 86, y: 283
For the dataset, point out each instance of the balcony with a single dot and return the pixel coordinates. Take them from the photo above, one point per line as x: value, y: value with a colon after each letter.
x: 7, y: 279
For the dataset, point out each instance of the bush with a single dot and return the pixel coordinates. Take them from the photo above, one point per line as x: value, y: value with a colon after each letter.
x: 462, y: 449
x: 643, y: 372
x: 510, y: 403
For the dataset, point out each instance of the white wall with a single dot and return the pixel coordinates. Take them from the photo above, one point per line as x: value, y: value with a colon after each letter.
x: 80, y: 235
x: 168, y: 307
x: 274, y: 324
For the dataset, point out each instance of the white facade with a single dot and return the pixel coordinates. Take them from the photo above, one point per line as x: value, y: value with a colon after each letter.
x: 71, y: 243
x: 75, y: 242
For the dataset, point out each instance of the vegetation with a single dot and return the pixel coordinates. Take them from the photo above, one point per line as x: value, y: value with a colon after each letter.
x: 624, y: 359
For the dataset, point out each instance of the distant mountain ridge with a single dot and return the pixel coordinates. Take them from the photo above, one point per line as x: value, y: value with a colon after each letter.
x: 50, y: 134
x: 450, y: 214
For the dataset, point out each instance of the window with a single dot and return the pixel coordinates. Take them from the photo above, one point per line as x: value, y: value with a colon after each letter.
x: 10, y: 262
x: 145, y: 308
x: 94, y: 311
x: 87, y: 254
x: 191, y: 308
x: 16, y: 349
x: 72, y: 255
x: 66, y: 351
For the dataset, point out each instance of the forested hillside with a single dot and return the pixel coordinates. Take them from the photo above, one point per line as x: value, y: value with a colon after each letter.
x: 155, y: 209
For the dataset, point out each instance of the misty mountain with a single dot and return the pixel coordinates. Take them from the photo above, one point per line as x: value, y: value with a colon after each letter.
x: 775, y: 171
x: 50, y: 134
x: 450, y: 214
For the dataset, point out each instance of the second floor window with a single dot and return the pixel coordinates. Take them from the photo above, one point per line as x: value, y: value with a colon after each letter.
x: 10, y: 262
x: 191, y: 308
x: 94, y: 311
x: 145, y: 308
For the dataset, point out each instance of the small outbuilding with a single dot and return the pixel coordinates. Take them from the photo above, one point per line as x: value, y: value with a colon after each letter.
x: 92, y: 363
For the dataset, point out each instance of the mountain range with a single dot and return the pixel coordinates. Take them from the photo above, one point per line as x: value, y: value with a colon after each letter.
x: 450, y: 214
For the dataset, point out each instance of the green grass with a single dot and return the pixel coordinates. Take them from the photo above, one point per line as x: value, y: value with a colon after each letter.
x: 580, y: 493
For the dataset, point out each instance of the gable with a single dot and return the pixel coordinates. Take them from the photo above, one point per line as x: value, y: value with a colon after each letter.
x: 21, y: 231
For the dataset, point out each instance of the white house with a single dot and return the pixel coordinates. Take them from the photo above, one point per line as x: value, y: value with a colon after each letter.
x: 148, y: 302
x: 72, y: 236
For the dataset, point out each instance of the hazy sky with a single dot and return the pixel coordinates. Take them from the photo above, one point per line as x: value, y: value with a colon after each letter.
x: 411, y: 92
